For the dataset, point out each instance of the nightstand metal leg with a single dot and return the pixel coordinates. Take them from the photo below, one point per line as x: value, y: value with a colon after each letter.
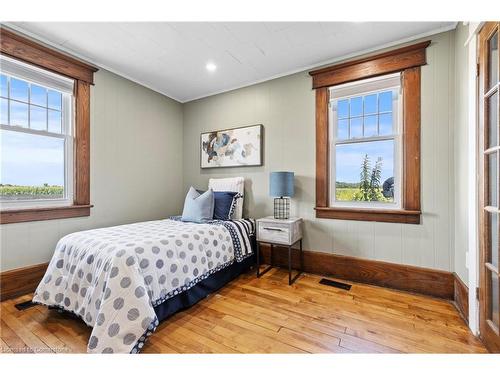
x: 271, y: 260
x: 301, y: 267
x: 301, y: 258
x: 289, y: 265
x: 258, y: 258
x: 259, y: 274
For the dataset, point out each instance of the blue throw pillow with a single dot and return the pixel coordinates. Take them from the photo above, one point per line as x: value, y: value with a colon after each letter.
x: 198, y: 207
x: 225, y: 203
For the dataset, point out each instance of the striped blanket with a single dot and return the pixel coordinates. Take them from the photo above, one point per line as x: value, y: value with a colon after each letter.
x: 241, y: 231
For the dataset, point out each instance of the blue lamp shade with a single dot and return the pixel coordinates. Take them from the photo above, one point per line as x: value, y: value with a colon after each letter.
x: 281, y: 184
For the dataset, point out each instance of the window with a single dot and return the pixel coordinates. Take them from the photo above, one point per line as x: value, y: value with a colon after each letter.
x: 368, y: 137
x: 36, y: 137
x: 44, y: 132
x: 365, y: 143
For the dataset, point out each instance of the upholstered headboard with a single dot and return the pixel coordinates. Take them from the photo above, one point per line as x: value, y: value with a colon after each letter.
x: 230, y: 184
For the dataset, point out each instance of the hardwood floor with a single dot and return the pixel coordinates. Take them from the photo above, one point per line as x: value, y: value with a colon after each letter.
x: 266, y: 315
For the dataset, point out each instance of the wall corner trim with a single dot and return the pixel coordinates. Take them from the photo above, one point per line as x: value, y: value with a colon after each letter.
x: 461, y: 297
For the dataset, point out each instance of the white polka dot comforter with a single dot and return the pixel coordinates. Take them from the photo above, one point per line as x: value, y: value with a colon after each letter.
x: 113, y: 277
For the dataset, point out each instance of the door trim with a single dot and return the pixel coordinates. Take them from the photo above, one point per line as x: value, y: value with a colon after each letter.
x: 472, y: 252
x: 487, y: 332
x: 472, y: 256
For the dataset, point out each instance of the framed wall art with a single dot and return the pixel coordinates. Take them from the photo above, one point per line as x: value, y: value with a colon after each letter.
x: 236, y: 147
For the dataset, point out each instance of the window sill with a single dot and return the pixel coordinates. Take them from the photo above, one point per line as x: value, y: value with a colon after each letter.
x: 364, y: 214
x: 43, y: 213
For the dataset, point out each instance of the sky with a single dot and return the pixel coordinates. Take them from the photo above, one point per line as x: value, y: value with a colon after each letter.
x: 371, y: 110
x: 349, y: 158
x: 28, y: 159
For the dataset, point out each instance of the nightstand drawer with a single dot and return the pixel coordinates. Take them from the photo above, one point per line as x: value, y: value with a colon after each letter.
x: 273, y: 232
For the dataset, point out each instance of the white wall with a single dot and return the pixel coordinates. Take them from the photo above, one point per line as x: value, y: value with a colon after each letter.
x: 285, y: 107
x: 136, y: 169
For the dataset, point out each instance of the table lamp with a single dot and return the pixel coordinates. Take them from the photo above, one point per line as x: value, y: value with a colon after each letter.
x: 281, y: 188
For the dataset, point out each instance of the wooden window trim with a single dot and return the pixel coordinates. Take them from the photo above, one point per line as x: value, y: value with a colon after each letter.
x: 32, y: 52
x: 406, y: 60
x: 45, y: 213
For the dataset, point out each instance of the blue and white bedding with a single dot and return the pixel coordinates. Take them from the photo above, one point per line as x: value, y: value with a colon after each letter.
x: 114, y: 277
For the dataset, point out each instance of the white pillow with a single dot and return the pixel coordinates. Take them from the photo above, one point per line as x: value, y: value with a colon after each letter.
x: 236, y: 184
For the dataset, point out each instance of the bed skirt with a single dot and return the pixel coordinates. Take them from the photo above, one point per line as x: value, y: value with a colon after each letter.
x: 202, y: 289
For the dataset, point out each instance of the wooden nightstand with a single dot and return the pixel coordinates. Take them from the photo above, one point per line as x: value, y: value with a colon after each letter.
x: 280, y: 232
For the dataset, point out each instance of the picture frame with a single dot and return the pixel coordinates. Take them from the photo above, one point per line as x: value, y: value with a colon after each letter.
x: 234, y: 147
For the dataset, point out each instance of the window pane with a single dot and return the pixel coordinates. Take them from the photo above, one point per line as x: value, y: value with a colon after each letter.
x: 18, y: 89
x: 371, y: 126
x: 493, y: 61
x: 55, y: 100
x: 38, y: 95
x: 356, y: 127
x: 492, y: 187
x: 3, y: 86
x: 4, y: 112
x: 385, y: 124
x: 38, y: 118
x: 385, y: 101
x: 54, y: 121
x: 32, y: 166
x: 371, y: 104
x: 343, y: 109
x: 343, y: 130
x: 356, y: 106
x: 18, y: 114
x: 493, y: 240
x: 494, y: 299
x: 364, y: 171
x: 492, y: 120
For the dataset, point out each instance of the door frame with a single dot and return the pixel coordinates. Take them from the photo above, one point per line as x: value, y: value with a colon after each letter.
x: 472, y: 255
x: 488, y: 334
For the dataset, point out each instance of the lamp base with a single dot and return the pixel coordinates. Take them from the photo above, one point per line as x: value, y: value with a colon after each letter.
x: 281, y: 208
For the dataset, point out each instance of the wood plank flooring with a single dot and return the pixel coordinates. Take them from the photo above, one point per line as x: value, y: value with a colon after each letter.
x: 266, y: 315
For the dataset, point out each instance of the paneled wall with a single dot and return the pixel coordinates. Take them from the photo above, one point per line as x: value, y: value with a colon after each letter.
x: 136, y: 169
x: 145, y: 155
x: 285, y: 107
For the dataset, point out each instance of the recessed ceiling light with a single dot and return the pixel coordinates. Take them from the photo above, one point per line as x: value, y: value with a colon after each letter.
x: 211, y: 67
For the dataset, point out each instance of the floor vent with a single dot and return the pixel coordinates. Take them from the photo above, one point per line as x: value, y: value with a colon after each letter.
x: 25, y: 305
x: 335, y: 284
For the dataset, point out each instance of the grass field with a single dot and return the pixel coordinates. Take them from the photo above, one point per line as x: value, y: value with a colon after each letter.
x: 345, y: 194
x: 17, y: 192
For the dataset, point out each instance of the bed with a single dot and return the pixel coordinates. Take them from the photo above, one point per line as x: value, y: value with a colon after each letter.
x: 124, y: 280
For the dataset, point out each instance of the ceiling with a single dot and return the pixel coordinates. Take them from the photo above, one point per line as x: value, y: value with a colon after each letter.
x: 171, y: 57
